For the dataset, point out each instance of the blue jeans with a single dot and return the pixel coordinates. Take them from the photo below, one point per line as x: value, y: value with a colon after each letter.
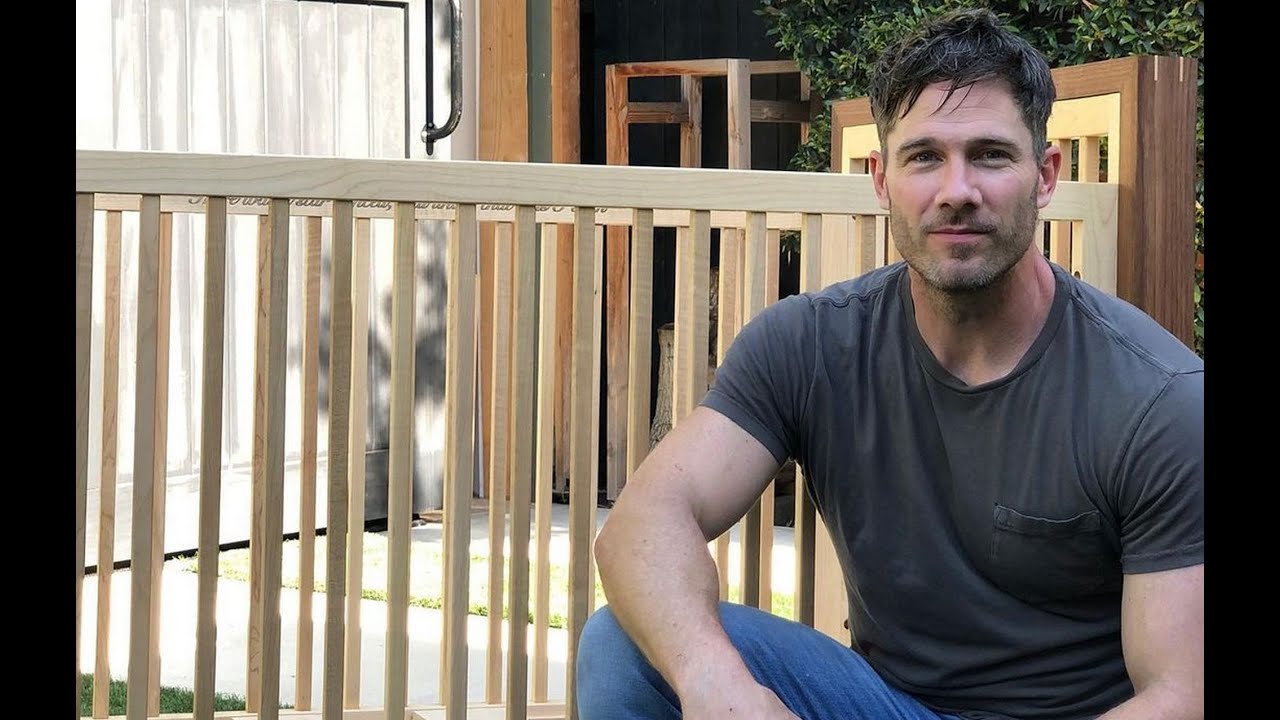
x: 815, y: 676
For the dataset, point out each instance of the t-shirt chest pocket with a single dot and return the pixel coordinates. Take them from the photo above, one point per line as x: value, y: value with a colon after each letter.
x: 1044, y: 560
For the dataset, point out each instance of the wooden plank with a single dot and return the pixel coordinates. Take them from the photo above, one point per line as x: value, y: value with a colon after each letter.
x: 565, y: 82
x: 564, y: 351
x: 739, y: 117
x: 400, y: 460
x: 1089, y: 163
x: 474, y: 182
x: 772, y: 257
x: 640, y: 341
x: 548, y: 319
x: 338, y: 525
x: 360, y: 255
x: 1059, y: 231
x: 522, y: 463
x: 307, y: 466
x: 754, y: 295
x: 84, y: 328
x: 617, y: 298
x: 499, y: 475
x: 668, y: 68
x: 779, y: 111
x: 692, y: 331
x: 659, y: 113
x: 1081, y: 117
x: 147, y: 426
x: 110, y: 446
x: 460, y: 410
x: 503, y: 108
x: 215, y: 301
x: 730, y: 291
x: 691, y: 130
x: 163, y: 330
x: 274, y: 452
x: 805, y: 514
x: 582, y: 493
x: 257, y: 537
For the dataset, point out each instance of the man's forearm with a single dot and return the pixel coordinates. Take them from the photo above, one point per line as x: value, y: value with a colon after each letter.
x: 662, y: 587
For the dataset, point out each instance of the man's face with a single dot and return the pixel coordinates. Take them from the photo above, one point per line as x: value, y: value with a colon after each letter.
x: 962, y: 185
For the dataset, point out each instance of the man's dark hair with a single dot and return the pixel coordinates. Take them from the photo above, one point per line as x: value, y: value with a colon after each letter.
x: 962, y: 48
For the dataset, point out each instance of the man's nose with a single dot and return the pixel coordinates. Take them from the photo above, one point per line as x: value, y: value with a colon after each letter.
x: 959, y: 186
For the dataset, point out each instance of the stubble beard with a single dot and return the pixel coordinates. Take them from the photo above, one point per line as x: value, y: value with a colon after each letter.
x: 961, y: 286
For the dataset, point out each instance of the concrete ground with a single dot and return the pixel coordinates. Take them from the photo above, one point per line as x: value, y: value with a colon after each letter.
x: 178, y: 605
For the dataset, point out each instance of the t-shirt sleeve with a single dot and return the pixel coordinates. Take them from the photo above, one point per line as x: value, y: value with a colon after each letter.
x: 762, y: 384
x: 1161, y: 482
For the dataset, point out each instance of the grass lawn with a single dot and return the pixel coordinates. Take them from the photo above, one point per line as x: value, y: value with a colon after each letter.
x: 426, y: 577
x: 172, y: 700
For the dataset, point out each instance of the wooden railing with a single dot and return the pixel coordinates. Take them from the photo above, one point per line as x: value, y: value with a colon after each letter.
x: 842, y: 233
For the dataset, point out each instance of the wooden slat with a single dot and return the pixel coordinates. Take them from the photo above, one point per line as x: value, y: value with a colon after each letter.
x: 460, y: 410
x: 739, y: 122
x: 110, y: 445
x: 547, y: 399
x: 1059, y: 231
x: 691, y: 130
x: 499, y: 475
x: 779, y: 111
x: 1089, y: 163
x: 400, y: 460
x: 564, y: 350
x: 772, y: 257
x: 730, y: 290
x: 1099, y: 248
x: 474, y: 181
x: 582, y: 492
x: 640, y: 341
x: 617, y: 357
x: 215, y: 290
x: 360, y: 257
x: 522, y: 415
x: 307, y: 478
x: 754, y: 294
x: 274, y: 451
x: 806, y: 517
x: 669, y: 67
x: 146, y: 428
x: 1085, y: 116
x: 618, y: 116
x: 161, y: 453
x: 566, y: 90
x: 340, y: 324
x: 660, y: 113
x: 597, y: 290
x: 257, y: 536
x: 84, y: 326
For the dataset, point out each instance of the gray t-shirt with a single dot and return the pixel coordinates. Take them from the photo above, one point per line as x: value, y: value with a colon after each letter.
x: 983, y: 531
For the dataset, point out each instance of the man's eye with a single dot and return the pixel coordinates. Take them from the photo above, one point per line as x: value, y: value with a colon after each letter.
x: 993, y: 155
x: 926, y: 156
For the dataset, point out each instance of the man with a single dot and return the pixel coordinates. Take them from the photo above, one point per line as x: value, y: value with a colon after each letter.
x: 1010, y: 462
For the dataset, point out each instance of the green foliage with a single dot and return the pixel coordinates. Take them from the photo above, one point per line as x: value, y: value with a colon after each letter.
x: 172, y: 700
x: 836, y: 43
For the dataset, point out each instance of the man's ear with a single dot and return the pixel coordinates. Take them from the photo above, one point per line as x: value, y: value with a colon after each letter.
x: 875, y: 164
x: 1047, y: 183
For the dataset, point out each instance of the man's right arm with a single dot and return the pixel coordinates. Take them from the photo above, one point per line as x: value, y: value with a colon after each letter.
x: 656, y: 571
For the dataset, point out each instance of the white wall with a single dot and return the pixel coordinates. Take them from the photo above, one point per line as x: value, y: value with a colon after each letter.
x: 276, y: 77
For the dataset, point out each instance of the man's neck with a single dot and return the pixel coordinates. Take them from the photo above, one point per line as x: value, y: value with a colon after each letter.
x: 981, y: 336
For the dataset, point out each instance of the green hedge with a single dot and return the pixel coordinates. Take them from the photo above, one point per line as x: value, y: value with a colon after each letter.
x: 836, y: 42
